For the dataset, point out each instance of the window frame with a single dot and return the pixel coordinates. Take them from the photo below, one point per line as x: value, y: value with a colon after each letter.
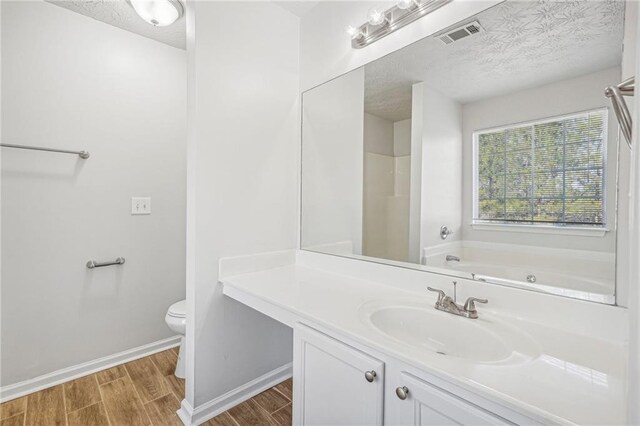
x: 575, y: 229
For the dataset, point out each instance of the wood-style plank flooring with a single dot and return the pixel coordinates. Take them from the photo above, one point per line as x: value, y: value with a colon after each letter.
x: 141, y: 392
x: 269, y: 408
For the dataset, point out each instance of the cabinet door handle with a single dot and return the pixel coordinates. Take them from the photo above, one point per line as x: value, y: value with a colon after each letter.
x: 370, y: 376
x: 402, y: 392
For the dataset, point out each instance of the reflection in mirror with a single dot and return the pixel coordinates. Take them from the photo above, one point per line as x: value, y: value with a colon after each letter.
x: 487, y: 151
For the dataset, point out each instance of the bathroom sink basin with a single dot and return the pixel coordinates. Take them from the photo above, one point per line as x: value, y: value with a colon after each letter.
x: 484, y: 340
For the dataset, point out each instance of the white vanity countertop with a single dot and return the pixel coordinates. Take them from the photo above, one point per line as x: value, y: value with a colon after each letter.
x: 572, y: 379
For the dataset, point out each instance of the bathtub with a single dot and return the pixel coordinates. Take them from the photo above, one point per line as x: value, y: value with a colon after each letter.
x: 573, y: 273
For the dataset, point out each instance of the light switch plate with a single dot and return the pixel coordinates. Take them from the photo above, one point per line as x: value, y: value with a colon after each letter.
x: 140, y: 205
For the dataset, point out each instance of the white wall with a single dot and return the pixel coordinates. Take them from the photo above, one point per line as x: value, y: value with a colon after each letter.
x: 562, y: 97
x: 630, y: 40
x: 243, y: 109
x: 332, y: 162
x: 631, y: 64
x: 378, y: 134
x: 71, y: 82
x: 415, y: 185
x: 402, y: 138
x: 628, y: 69
x: 441, y: 167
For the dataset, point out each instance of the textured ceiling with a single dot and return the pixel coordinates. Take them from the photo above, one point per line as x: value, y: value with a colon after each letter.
x: 120, y: 14
x: 526, y: 44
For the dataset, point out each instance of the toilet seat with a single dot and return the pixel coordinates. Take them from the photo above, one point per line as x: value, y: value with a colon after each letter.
x: 178, y: 309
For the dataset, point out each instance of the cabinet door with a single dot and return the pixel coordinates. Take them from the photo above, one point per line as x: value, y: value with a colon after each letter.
x: 330, y: 382
x: 427, y: 405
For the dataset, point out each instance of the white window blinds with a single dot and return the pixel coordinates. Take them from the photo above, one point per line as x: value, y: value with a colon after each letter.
x: 545, y: 172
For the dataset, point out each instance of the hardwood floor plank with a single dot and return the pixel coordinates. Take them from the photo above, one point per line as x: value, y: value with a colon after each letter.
x: 81, y: 393
x: 92, y: 415
x: 286, y: 388
x: 147, y: 379
x: 162, y: 411
x: 175, y: 385
x: 122, y: 403
x: 17, y: 420
x: 283, y: 416
x: 46, y: 407
x: 13, y: 407
x: 111, y: 374
x: 137, y: 394
x: 271, y: 400
x: 223, y: 419
x: 249, y: 413
x: 165, y: 361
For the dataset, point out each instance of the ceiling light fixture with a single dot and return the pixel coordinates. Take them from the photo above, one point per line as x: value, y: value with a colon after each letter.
x: 159, y: 13
x: 381, y: 23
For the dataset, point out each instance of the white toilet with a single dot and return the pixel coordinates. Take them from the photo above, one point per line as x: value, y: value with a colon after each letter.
x: 176, y: 319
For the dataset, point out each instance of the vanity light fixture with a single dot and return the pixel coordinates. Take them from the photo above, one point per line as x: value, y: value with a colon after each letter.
x: 381, y: 22
x: 406, y: 4
x: 376, y: 16
x: 159, y: 13
x: 354, y: 32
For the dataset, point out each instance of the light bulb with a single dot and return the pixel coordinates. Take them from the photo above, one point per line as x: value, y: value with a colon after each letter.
x: 376, y: 16
x: 159, y: 13
x: 405, y: 4
x: 354, y: 32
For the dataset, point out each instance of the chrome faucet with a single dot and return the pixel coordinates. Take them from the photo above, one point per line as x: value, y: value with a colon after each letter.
x: 447, y: 304
x: 453, y: 258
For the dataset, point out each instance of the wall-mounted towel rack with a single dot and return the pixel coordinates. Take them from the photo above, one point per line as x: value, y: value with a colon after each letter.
x: 616, y: 93
x: 82, y: 154
x: 93, y: 264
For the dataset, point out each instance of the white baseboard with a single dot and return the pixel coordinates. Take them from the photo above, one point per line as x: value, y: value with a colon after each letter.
x: 19, y: 389
x: 194, y: 416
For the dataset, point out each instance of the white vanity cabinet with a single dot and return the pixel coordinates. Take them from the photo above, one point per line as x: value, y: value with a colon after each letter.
x: 412, y: 401
x: 334, y: 383
x: 337, y: 384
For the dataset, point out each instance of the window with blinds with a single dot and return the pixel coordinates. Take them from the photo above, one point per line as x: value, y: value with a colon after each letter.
x: 546, y: 172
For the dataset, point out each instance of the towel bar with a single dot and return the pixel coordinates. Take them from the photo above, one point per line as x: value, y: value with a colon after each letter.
x: 93, y: 264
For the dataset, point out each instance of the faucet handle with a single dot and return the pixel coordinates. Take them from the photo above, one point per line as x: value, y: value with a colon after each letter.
x: 470, y: 306
x: 441, y: 294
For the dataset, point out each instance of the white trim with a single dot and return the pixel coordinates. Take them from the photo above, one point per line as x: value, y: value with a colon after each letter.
x: 185, y: 413
x: 195, y: 416
x: 344, y: 248
x: 582, y: 231
x: 26, y: 387
x: 229, y: 266
x: 545, y: 120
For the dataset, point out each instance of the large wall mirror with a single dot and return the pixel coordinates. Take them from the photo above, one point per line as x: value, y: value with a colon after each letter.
x: 487, y: 151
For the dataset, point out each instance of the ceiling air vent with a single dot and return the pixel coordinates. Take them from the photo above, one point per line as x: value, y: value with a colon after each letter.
x: 459, y: 33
